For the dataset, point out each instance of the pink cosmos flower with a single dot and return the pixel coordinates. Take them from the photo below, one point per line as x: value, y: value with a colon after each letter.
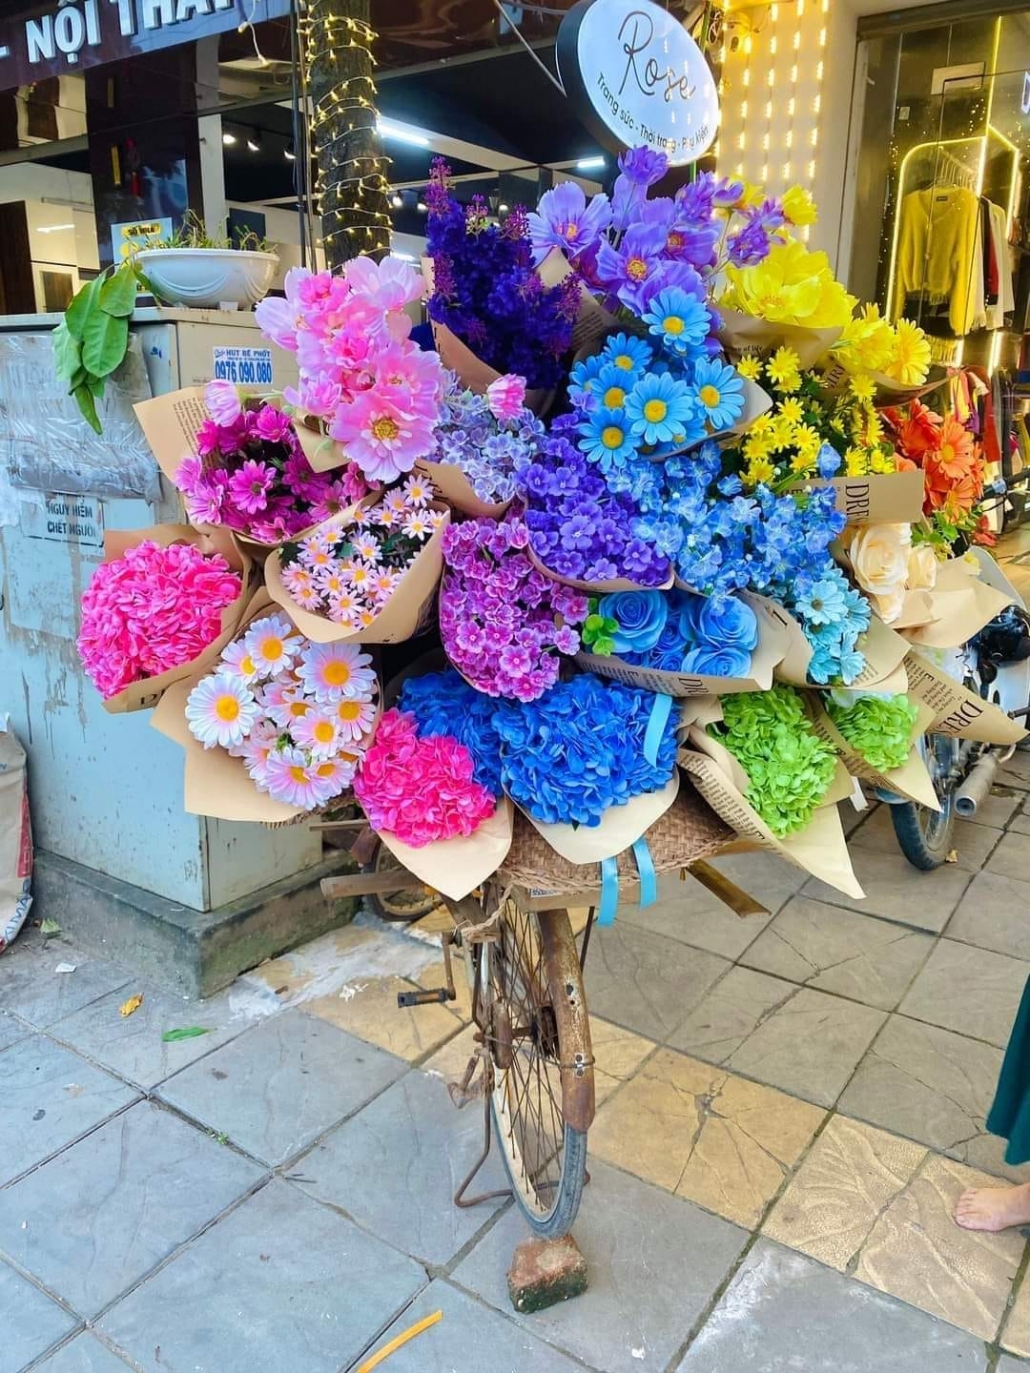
x: 506, y: 397
x: 384, y: 441
x: 388, y: 285
x: 223, y: 402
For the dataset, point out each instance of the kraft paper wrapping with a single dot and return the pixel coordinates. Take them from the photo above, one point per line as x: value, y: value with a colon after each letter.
x: 880, y: 498
x: 884, y: 651
x: 772, y: 644
x: 15, y: 837
x: 889, y: 392
x: 911, y: 780
x: 820, y: 848
x: 595, y: 588
x: 146, y: 693
x: 323, y: 453
x: 756, y: 402
x: 456, y: 867
x: 593, y: 322
x: 620, y: 827
x: 455, y: 488
x: 403, y: 615
x: 960, y: 604
x: 744, y: 333
x: 956, y: 710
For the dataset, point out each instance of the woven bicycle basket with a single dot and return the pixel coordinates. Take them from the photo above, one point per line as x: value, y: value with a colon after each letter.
x: 689, y: 830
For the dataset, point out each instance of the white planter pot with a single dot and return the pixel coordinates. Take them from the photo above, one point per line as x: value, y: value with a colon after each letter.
x: 208, y: 277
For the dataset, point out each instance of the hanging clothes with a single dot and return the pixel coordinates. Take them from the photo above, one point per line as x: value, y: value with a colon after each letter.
x: 1005, y: 299
x: 938, y: 252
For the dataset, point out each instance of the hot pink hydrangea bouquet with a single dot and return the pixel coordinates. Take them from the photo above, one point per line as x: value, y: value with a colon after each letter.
x: 504, y: 624
x: 347, y: 571
x: 420, y: 789
x: 375, y: 390
x: 298, y: 714
x: 151, y: 610
x: 250, y: 473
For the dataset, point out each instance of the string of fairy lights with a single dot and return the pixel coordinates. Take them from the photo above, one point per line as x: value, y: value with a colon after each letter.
x: 352, y: 189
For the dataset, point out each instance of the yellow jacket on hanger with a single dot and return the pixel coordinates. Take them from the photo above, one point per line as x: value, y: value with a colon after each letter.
x: 936, y: 251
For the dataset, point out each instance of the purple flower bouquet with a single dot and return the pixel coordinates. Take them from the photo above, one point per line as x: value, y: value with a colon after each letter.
x: 505, y: 625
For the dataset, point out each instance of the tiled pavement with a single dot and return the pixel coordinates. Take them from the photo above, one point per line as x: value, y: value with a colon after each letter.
x: 789, y: 1107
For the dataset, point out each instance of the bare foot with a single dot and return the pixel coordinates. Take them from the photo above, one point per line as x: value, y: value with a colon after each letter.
x: 993, y: 1208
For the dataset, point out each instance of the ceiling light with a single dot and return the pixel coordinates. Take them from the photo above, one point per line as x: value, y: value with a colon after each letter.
x: 417, y: 139
x: 253, y: 144
x: 396, y: 201
x: 53, y: 228
x: 289, y: 154
x: 228, y: 138
x: 502, y: 208
x: 422, y: 206
x: 585, y: 163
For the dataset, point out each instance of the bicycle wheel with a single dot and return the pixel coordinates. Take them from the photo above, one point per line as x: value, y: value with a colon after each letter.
x: 408, y: 904
x: 535, y: 1020
x: 924, y: 835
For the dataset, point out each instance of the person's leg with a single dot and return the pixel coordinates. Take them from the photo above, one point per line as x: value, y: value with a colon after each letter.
x: 994, y: 1208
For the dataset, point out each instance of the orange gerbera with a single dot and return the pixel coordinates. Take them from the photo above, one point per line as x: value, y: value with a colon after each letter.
x: 955, y: 456
x: 918, y: 431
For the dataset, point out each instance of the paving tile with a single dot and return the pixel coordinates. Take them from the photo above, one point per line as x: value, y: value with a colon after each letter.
x: 1019, y: 824
x: 634, y: 1238
x: 618, y: 1053
x: 927, y: 1084
x: 1016, y: 772
x: 280, y: 1283
x: 801, y: 1040
x: 31, y: 1321
x: 471, y: 1338
x: 132, y: 1045
x: 971, y: 844
x: 851, y: 819
x: 896, y: 890
x: 1007, y: 1364
x: 998, y: 809
x: 916, y: 1252
x: 369, y: 1011
x: 994, y: 914
x: 969, y: 990
x: 689, y: 912
x: 706, y: 1135
x: 49, y: 1097
x: 91, y: 1222
x: 83, y: 1354
x: 11, y: 1030
x: 451, y: 1059
x: 275, y: 1089
x: 785, y: 1312
x: 729, y: 1013
x: 840, y: 951
x: 1012, y: 856
x: 644, y: 981
x: 31, y: 987
x: 1015, y: 1335
x: 435, y: 975
x: 413, y: 1136
x: 848, y: 1176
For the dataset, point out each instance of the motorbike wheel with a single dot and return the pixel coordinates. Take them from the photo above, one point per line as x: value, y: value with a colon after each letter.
x: 925, y: 835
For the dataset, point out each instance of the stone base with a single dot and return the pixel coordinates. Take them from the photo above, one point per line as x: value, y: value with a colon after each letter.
x: 545, y: 1272
x: 191, y: 952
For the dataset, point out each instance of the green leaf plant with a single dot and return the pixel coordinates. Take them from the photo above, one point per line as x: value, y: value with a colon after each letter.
x: 92, y: 339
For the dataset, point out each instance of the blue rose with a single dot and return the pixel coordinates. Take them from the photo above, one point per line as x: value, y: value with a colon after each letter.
x: 690, y: 610
x: 718, y: 662
x: 640, y: 615
x: 725, y: 622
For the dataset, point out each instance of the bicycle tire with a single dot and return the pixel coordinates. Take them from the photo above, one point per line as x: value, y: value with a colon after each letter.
x: 924, y: 835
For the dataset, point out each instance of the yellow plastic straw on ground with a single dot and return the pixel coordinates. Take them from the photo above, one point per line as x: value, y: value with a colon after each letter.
x: 395, y: 1344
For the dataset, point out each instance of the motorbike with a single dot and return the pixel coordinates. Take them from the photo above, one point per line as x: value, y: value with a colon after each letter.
x: 994, y: 664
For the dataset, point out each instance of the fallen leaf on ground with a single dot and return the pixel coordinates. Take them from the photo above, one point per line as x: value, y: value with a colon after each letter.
x: 65, y: 968
x: 131, y: 1006
x: 49, y: 926
x: 186, y: 1032
x: 952, y: 856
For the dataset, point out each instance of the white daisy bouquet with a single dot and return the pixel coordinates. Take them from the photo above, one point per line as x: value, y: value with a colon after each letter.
x: 299, y: 715
x: 368, y: 573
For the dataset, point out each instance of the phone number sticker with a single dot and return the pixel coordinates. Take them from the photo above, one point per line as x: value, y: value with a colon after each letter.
x: 244, y: 366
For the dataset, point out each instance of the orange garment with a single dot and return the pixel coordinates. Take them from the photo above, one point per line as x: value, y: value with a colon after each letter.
x: 937, y: 251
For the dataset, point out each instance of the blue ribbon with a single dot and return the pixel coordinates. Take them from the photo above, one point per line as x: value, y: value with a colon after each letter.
x: 660, y: 711
x: 609, y: 891
x: 648, y: 877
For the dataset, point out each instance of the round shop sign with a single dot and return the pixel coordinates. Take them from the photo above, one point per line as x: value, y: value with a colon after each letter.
x: 637, y: 78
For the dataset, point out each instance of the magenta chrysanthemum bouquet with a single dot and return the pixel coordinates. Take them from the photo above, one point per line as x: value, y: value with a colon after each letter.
x: 420, y: 788
x: 151, y: 610
x: 298, y: 714
x: 374, y: 390
x: 348, y: 570
x: 250, y: 473
x: 505, y: 625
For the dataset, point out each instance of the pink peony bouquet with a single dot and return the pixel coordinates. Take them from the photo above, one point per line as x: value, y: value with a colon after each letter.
x: 420, y: 789
x: 250, y: 473
x: 504, y: 624
x: 298, y: 714
x: 375, y: 390
x: 347, y: 571
x: 151, y: 610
